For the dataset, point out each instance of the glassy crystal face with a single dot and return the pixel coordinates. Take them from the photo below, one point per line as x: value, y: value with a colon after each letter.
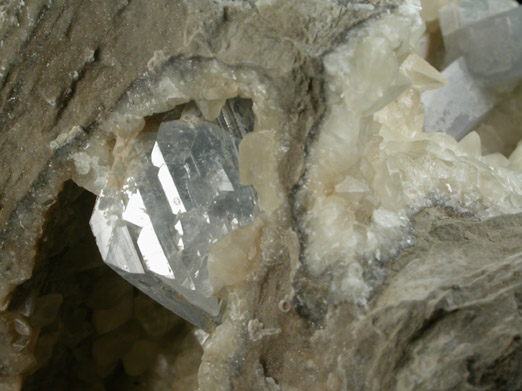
x: 459, y: 106
x: 487, y: 33
x: 461, y: 14
x: 176, y: 193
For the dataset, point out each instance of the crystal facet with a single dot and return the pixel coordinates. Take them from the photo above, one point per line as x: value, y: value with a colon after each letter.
x: 488, y: 35
x: 459, y: 106
x: 175, y: 194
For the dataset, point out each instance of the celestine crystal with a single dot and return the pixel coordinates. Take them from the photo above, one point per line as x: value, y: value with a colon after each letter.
x: 174, y: 194
x: 483, y: 44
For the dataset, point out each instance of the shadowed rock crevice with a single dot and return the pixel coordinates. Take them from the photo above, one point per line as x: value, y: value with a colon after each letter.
x: 81, y: 325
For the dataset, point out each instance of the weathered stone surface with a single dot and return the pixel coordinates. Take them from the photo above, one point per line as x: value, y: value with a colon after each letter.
x: 434, y: 324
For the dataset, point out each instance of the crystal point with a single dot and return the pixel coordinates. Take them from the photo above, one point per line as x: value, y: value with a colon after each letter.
x: 459, y: 106
x: 180, y: 193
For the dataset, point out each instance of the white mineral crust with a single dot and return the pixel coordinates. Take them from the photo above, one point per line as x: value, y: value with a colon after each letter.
x: 372, y: 165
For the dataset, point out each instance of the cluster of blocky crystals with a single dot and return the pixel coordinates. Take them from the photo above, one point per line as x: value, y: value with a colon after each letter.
x: 166, y: 202
x: 483, y: 42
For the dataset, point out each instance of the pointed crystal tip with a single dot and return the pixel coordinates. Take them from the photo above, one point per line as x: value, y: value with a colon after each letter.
x: 166, y: 203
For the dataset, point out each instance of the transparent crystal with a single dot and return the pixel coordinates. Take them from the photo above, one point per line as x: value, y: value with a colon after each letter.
x: 176, y: 193
x: 488, y: 34
x: 466, y: 12
x: 459, y: 106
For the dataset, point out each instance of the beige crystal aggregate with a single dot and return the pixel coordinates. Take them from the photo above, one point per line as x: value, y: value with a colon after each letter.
x: 370, y: 169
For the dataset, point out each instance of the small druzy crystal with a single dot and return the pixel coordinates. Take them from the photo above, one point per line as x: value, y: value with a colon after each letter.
x: 174, y: 194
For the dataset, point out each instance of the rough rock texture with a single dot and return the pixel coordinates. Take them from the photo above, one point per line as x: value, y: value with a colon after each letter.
x: 357, y: 274
x: 67, y: 66
x: 77, y: 325
x: 447, y: 318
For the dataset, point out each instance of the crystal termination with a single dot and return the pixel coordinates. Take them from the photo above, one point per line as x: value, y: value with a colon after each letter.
x: 180, y: 193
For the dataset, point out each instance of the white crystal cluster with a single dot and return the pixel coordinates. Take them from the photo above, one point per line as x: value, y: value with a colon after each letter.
x: 373, y: 166
x: 483, y: 45
x: 175, y: 194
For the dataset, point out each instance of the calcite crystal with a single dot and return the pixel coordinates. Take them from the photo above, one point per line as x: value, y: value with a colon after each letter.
x: 461, y: 14
x: 487, y: 34
x: 483, y: 46
x: 174, y: 195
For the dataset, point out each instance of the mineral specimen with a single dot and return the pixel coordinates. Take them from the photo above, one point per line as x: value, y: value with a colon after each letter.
x: 461, y: 14
x: 458, y: 107
x: 482, y: 39
x: 377, y: 249
x: 488, y: 34
x: 179, y: 192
